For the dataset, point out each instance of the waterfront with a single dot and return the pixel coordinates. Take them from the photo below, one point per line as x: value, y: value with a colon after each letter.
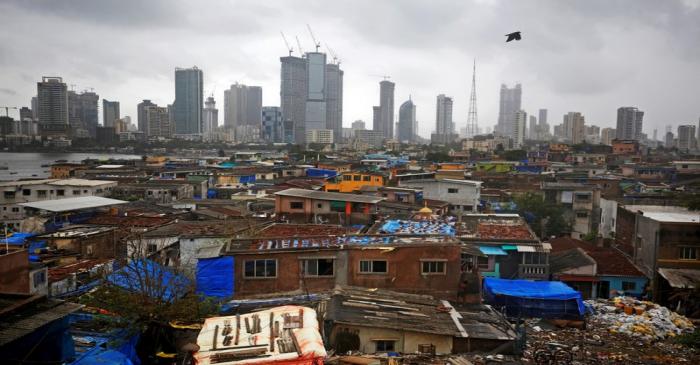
x: 22, y: 165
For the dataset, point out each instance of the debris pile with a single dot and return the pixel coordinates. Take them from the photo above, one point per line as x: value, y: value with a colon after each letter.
x: 645, y: 320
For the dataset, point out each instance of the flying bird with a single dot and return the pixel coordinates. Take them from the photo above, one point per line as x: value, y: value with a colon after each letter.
x: 515, y: 36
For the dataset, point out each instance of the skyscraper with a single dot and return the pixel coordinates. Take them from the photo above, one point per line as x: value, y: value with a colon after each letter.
x: 334, y: 100
x: 407, y: 122
x: 210, y: 118
x: 686, y: 137
x: 272, y: 124
x: 443, y: 116
x: 316, y: 92
x: 574, y: 127
x: 52, y: 106
x: 607, y: 135
x: 519, y: 123
x: 110, y: 112
x: 384, y: 114
x: 243, y: 111
x: 83, y: 113
x: 543, y: 126
x: 189, y: 97
x: 629, y: 123
x: 532, y: 129
x: 293, y: 95
x: 510, y: 104
x: 141, y: 115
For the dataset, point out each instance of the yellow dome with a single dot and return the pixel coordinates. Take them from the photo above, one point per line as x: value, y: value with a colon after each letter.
x: 425, y: 210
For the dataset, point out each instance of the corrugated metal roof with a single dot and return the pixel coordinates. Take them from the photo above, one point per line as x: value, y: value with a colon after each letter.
x: 522, y: 248
x: 681, y: 278
x: 12, y: 331
x: 68, y: 204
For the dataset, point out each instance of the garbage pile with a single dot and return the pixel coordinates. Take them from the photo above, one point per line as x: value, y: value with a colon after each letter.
x: 641, y: 319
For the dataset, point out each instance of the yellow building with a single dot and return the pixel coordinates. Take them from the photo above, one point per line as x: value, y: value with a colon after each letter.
x: 349, y: 182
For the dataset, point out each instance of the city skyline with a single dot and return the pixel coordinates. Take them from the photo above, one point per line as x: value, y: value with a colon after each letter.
x: 592, y: 77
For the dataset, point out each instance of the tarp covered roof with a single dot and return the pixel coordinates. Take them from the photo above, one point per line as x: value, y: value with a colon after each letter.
x: 151, y: 278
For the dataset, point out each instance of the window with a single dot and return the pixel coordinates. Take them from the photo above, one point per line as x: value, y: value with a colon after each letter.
x: 260, y: 269
x: 296, y: 205
x: 98, y: 190
x: 9, y: 195
x: 373, y: 266
x: 39, y: 278
x: 385, y: 345
x: 60, y: 192
x: 76, y: 192
x: 432, y: 267
x: 26, y: 192
x: 319, y: 205
x: 357, y: 177
x: 366, y: 178
x: 452, y: 190
x: 41, y: 193
x: 689, y: 253
x: 15, y: 210
x: 347, y: 177
x: 534, y: 258
x: 317, y: 267
x: 483, y: 262
x: 581, y: 214
x: 151, y: 248
x: 629, y: 286
x: 583, y: 197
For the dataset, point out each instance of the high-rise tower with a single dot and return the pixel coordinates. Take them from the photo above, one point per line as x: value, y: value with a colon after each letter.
x: 472, y: 118
x: 189, y: 97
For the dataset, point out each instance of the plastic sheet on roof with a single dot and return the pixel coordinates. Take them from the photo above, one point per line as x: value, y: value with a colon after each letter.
x: 215, y: 277
x: 544, y: 299
x: 493, y: 251
x: 152, y: 278
x: 394, y: 226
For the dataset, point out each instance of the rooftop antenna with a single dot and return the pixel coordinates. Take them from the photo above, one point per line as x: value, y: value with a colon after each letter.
x: 316, y: 43
x: 289, y: 48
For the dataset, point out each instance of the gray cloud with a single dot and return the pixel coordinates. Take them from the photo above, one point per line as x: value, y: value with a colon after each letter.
x: 591, y: 56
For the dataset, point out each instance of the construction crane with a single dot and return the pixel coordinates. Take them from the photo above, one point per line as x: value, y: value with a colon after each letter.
x: 7, y: 109
x: 289, y: 48
x: 336, y: 60
x: 301, y: 51
x: 316, y: 43
x: 385, y: 77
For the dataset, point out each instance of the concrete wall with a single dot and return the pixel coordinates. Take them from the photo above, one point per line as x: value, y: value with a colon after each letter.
x: 14, y: 272
x: 405, y: 341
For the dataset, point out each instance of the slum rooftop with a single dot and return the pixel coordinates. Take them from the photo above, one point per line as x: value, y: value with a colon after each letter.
x: 666, y: 214
x: 495, y: 227
x: 68, y: 204
x: 330, y: 242
x: 322, y: 195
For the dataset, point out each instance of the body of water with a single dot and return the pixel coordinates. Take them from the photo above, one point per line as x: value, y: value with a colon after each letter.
x: 29, y: 165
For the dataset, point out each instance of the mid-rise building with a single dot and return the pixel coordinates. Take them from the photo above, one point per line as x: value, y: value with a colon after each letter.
x: 272, y: 124
x: 629, y: 123
x: 242, y: 110
x: 110, y: 112
x: 358, y: 125
x: 407, y: 122
x: 370, y: 137
x: 607, y: 135
x: 334, y: 100
x: 509, y: 106
x: 324, y: 136
x: 189, y: 97
x: 443, y: 115
x: 686, y: 138
x: 159, y: 125
x: 52, y: 106
x: 83, y: 113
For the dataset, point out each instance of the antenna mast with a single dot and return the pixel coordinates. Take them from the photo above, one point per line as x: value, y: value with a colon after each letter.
x: 472, y: 118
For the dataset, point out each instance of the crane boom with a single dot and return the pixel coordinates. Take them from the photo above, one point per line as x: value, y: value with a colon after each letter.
x: 289, y: 48
x: 316, y: 43
x: 7, y: 109
x: 301, y: 52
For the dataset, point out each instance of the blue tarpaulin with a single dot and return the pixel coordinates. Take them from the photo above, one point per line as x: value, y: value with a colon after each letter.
x: 17, y: 238
x: 215, y: 277
x: 543, y: 299
x: 493, y: 251
x: 150, y: 277
x: 316, y: 172
x: 106, y: 357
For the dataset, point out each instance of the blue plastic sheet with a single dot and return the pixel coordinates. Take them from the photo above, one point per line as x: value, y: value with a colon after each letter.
x: 493, y: 251
x: 107, y: 357
x: 150, y: 277
x: 545, y: 299
x: 17, y: 238
x: 315, y: 172
x: 418, y: 227
x: 215, y: 277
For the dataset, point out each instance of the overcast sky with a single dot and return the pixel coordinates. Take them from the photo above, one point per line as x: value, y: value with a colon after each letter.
x: 586, y: 56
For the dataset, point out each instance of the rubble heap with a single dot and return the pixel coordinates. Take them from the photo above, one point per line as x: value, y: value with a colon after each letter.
x: 645, y: 320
